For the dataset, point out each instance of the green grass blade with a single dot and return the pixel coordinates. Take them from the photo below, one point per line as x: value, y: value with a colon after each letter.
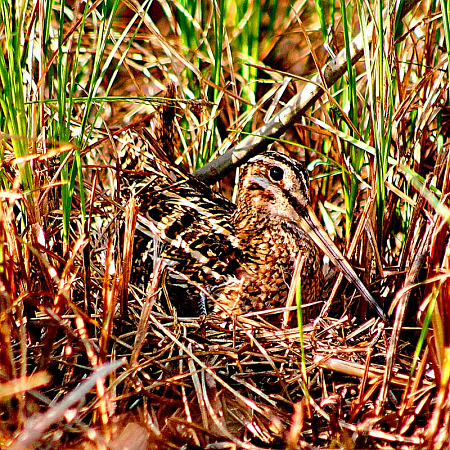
x: 321, y: 15
x: 445, y: 8
x: 12, y: 93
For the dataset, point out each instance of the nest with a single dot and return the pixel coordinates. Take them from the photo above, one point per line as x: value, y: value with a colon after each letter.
x: 215, y: 383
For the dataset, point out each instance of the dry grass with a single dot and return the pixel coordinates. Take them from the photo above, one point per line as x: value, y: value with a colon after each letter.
x: 88, y: 360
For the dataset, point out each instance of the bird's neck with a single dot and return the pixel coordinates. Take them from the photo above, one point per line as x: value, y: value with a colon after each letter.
x: 263, y: 237
x: 248, y: 222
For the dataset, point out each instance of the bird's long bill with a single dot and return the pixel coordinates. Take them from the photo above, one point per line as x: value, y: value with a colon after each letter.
x: 310, y: 224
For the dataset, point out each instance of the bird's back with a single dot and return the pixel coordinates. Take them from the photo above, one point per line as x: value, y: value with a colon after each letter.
x: 188, y: 222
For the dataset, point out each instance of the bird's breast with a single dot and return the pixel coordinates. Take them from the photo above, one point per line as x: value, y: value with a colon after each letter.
x: 265, y: 267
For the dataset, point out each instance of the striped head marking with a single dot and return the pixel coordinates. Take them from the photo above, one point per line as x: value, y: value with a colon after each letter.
x: 275, y: 184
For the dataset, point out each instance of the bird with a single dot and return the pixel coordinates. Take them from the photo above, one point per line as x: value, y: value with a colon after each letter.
x: 233, y: 258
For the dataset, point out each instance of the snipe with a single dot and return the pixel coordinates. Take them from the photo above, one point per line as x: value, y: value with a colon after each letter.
x: 240, y: 255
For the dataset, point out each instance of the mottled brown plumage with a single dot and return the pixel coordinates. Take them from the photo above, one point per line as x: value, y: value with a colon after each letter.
x: 273, y: 190
x: 240, y: 255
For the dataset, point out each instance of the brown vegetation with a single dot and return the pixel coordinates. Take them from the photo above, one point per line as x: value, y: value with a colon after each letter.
x: 88, y: 360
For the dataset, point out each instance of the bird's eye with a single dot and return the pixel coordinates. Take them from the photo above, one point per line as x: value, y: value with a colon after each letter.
x: 276, y: 174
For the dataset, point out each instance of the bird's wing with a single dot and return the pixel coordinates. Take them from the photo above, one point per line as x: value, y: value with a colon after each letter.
x: 190, y: 220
